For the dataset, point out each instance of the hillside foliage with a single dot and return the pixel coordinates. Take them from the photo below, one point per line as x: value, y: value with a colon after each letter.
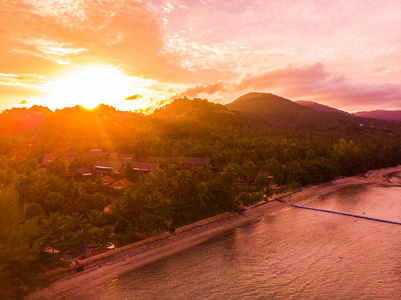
x: 47, y: 213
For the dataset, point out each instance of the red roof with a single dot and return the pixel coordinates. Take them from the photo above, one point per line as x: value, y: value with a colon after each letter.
x: 84, y: 171
x: 143, y: 166
x: 195, y: 160
x: 151, y: 159
x: 120, y: 184
x: 122, y: 156
x: 107, y: 180
x: 107, y: 165
x: 96, y: 154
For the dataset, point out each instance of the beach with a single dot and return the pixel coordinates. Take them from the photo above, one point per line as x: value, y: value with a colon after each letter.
x: 107, y: 266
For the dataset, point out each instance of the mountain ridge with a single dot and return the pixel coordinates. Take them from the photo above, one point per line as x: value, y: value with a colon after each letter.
x: 394, y: 115
x: 320, y: 107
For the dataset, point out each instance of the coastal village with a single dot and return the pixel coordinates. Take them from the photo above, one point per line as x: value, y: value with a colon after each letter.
x: 108, y: 167
x: 111, y: 169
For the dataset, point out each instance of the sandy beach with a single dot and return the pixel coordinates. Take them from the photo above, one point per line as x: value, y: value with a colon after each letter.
x: 104, y: 267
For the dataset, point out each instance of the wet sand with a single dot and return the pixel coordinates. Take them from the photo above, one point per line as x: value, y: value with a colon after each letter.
x: 104, y: 267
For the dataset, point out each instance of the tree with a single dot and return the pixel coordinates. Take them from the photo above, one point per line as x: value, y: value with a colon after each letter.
x: 51, y: 229
x: 105, y: 236
x: 57, y: 167
x: 201, y: 197
x: 19, y: 245
x: 95, y: 217
x: 87, y: 235
x: 75, y: 221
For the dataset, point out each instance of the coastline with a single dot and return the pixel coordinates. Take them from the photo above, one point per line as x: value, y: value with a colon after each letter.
x: 109, y: 265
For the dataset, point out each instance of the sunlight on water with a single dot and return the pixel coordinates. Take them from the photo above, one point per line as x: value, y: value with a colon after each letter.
x: 295, y: 254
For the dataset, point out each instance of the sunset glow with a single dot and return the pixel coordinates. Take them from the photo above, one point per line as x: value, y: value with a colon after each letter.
x: 345, y: 54
x: 91, y: 86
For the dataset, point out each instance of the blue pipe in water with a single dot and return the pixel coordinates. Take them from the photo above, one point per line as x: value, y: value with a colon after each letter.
x: 345, y: 214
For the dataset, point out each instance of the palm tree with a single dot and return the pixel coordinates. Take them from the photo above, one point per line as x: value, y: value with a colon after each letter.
x: 105, y: 236
x: 68, y: 242
x: 87, y: 235
x: 51, y: 229
x: 120, y: 218
x: 201, y: 197
x: 95, y: 217
x: 74, y: 221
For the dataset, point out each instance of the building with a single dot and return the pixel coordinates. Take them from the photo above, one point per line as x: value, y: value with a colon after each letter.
x: 188, y: 163
x: 120, y: 184
x: 107, y: 180
x: 121, y: 157
x: 157, y: 159
x: 48, y: 158
x: 105, y: 167
x: 84, y: 171
x: 97, y: 153
x: 268, y: 179
x: 144, y: 166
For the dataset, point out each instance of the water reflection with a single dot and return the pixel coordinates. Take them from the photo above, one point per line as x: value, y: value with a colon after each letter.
x: 291, y: 255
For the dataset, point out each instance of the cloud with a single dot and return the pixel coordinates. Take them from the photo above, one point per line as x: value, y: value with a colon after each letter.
x: 134, y: 97
x: 203, y: 89
x: 314, y: 82
x: 23, y: 102
x: 54, y: 33
x: 23, y: 80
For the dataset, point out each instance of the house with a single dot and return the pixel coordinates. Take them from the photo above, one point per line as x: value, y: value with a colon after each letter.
x: 48, y: 158
x: 143, y: 166
x: 68, y: 157
x: 106, y: 180
x: 121, y: 157
x: 97, y: 153
x: 268, y: 179
x: 120, y: 184
x: 181, y: 162
x: 109, y: 208
x: 70, y: 154
x: 154, y: 159
x: 84, y: 171
x: 105, y: 167
x: 188, y: 163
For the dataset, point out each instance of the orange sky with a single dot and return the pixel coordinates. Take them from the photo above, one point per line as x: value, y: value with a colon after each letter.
x: 58, y: 53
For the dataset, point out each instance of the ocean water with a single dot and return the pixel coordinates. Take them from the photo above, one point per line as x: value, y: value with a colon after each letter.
x: 293, y: 254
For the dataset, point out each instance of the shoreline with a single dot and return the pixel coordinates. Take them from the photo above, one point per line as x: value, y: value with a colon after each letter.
x: 109, y: 265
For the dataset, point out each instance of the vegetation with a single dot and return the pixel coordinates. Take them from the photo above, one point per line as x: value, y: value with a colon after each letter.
x: 45, y: 214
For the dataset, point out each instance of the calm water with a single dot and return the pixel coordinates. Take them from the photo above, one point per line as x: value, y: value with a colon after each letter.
x: 294, y: 254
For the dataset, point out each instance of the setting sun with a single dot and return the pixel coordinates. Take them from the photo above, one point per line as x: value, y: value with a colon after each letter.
x: 89, y: 86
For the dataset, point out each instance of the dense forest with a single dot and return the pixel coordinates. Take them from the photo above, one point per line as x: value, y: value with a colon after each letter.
x: 45, y: 214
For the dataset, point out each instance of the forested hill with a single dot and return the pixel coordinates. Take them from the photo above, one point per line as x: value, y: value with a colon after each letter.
x: 394, y: 115
x: 291, y: 119
x: 254, y: 114
x: 320, y: 107
x: 292, y: 144
x: 199, y: 117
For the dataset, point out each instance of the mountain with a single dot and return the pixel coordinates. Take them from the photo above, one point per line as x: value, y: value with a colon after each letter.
x: 320, y: 107
x: 185, y: 115
x: 16, y: 120
x: 186, y: 108
x: 393, y: 115
x: 261, y: 105
x: 287, y: 118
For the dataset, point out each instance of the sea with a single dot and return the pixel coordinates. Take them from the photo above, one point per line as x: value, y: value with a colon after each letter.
x: 292, y: 254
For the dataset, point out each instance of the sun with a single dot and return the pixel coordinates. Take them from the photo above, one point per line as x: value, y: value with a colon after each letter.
x: 90, y: 86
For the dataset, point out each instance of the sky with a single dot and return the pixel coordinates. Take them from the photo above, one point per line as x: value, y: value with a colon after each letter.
x: 137, y: 55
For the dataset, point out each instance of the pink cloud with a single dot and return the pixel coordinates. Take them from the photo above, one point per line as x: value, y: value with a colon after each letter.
x: 314, y: 82
x: 206, y: 45
x: 202, y: 89
x: 117, y: 33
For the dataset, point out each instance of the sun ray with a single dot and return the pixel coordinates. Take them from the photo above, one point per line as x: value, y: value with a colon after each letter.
x: 90, y: 86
